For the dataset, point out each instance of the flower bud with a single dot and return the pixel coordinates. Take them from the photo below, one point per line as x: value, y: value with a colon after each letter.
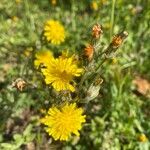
x: 89, y: 52
x: 118, y: 39
x: 97, y: 31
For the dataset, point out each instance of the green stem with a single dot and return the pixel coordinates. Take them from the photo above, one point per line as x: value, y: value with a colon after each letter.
x: 73, y: 15
x: 112, y: 18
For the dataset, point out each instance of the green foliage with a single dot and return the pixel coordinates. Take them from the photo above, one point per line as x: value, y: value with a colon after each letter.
x: 117, y: 117
x: 19, y: 139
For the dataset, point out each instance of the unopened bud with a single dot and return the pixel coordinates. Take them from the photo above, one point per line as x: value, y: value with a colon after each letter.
x: 97, y: 31
x: 118, y: 39
x: 89, y: 52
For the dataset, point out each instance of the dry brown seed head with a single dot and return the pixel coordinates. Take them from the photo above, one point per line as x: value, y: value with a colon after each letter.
x: 19, y: 84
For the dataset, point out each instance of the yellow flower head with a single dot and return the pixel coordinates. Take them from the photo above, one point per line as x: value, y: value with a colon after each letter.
x: 62, y: 122
x: 43, y: 57
x: 94, y: 5
x: 143, y: 138
x: 53, y: 2
x: 54, y: 32
x: 27, y: 52
x: 60, y: 72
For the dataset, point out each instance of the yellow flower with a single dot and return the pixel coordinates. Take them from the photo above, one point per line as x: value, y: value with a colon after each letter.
x: 43, y: 57
x: 143, y: 138
x: 114, y: 60
x: 62, y: 122
x: 28, y: 51
x: 18, y: 1
x: 53, y: 2
x: 94, y: 5
x: 15, y: 18
x: 60, y: 72
x: 54, y: 32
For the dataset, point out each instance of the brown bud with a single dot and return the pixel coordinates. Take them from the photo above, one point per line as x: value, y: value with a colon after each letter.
x: 89, y: 52
x: 97, y: 31
x: 118, y: 39
x: 19, y: 84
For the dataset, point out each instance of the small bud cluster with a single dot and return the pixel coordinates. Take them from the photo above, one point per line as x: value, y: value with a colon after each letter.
x: 96, y: 56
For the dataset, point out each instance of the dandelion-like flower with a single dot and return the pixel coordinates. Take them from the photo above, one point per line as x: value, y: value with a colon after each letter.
x: 62, y: 122
x: 61, y: 71
x: 43, y: 57
x: 54, y: 32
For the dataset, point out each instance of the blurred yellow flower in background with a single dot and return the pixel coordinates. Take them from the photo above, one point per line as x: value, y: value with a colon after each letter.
x: 61, y: 71
x: 54, y: 32
x: 94, y: 5
x: 43, y: 57
x: 28, y: 51
x: 62, y: 122
x: 18, y: 1
x: 114, y: 60
x: 143, y: 138
x: 15, y: 18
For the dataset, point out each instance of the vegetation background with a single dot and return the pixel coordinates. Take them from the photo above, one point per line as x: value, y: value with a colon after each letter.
x: 119, y: 117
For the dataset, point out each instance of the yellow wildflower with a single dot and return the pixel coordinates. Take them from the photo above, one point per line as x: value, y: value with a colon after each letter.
x: 62, y: 122
x: 54, y: 32
x: 15, y: 18
x: 28, y: 51
x: 143, y: 138
x: 43, y: 57
x: 18, y: 1
x: 94, y: 5
x: 53, y: 2
x: 60, y: 72
x: 114, y: 60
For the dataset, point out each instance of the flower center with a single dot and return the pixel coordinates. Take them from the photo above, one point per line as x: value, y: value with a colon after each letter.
x: 65, y: 76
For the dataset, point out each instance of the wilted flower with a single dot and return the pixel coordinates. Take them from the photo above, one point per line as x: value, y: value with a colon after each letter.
x: 97, y: 31
x: 54, y: 32
x: 118, y: 39
x: 89, y: 52
x: 93, y: 90
x: 60, y: 72
x: 19, y: 84
x: 62, y: 122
